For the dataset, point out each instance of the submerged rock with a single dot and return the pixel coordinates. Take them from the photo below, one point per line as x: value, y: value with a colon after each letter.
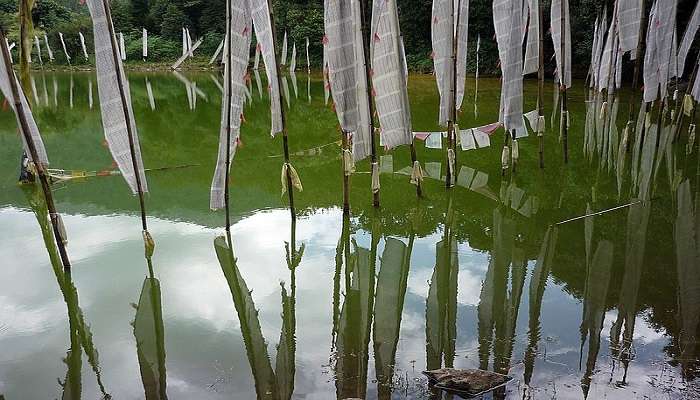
x: 470, y: 382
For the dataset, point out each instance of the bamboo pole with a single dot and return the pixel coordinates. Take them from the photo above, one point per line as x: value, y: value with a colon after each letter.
x: 43, y: 178
x: 452, y: 121
x: 365, y: 18
x: 227, y: 101
x: 130, y: 134
x: 540, y: 84
x: 513, y: 159
x: 562, y: 81
x: 346, y: 177
x: 285, y: 139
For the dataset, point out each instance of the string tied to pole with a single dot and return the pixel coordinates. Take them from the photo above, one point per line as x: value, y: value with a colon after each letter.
x: 505, y: 158
x: 626, y: 134
x: 417, y: 174
x: 375, y: 177
x: 289, y: 171
x: 603, y: 109
x: 348, y: 162
x: 647, y: 120
x: 540, y: 125
x: 691, y: 139
x: 149, y: 244
x: 688, y: 105
x: 451, y: 161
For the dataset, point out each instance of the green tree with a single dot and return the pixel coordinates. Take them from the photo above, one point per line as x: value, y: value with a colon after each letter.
x: 48, y: 13
x: 140, y: 17
x: 121, y: 16
x: 173, y: 21
x: 212, y: 18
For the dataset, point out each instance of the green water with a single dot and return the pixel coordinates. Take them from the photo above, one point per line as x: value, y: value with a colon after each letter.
x: 473, y: 277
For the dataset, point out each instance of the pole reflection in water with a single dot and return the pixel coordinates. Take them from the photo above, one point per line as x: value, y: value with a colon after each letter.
x: 594, y: 307
x: 492, y: 300
x: 355, y: 315
x: 441, y: 304
x: 686, y: 235
x: 500, y: 297
x: 277, y: 384
x: 637, y: 221
x: 150, y: 338
x: 79, y: 331
x: 538, y: 285
x: 391, y: 292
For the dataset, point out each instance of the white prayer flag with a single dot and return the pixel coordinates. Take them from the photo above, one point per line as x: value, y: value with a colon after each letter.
x: 115, y: 101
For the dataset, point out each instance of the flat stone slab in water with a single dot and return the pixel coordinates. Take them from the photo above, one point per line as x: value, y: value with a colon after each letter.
x: 470, y: 382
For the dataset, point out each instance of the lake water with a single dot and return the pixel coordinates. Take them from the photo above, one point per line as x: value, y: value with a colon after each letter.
x: 478, y: 276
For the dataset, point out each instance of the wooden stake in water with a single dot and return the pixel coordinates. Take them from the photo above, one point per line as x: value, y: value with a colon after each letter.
x: 43, y: 178
x: 365, y: 17
x: 285, y: 139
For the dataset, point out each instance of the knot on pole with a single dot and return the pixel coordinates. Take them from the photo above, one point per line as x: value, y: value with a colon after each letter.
x: 451, y: 162
x: 348, y: 162
x: 688, y: 105
x: 540, y: 125
x: 691, y: 139
x: 505, y: 158
x: 289, y: 173
x: 375, y: 177
x: 148, y: 244
x: 417, y: 174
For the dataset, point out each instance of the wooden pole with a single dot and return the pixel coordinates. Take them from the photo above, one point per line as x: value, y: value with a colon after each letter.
x: 285, y: 139
x: 452, y: 121
x: 512, y: 150
x: 540, y: 84
x: 365, y: 18
x: 125, y: 109
x: 227, y: 101
x: 346, y: 177
x: 43, y: 178
x: 562, y: 81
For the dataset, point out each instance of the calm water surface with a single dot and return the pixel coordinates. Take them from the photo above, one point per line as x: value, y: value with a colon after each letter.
x: 327, y: 307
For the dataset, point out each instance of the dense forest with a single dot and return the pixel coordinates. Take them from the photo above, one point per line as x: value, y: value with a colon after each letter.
x: 301, y: 19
